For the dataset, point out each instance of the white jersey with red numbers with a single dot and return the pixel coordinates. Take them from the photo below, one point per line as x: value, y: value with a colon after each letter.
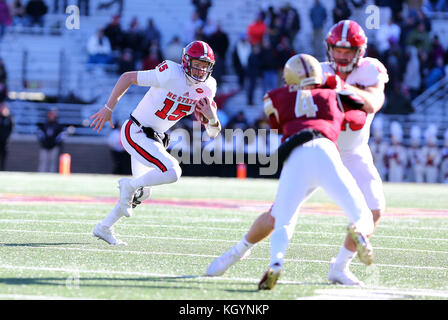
x: 368, y: 73
x: 171, y: 96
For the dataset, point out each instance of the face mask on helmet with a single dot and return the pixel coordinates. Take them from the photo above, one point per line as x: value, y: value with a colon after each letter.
x: 197, y: 61
x: 352, y: 41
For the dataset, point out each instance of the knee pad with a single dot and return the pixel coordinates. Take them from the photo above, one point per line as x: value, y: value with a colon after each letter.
x: 173, y: 174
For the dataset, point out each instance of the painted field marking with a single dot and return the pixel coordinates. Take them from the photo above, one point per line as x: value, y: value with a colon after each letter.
x: 131, y: 225
x: 263, y: 243
x: 214, y: 256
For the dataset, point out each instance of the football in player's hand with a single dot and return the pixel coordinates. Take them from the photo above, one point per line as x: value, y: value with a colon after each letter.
x: 203, y: 107
x: 200, y: 116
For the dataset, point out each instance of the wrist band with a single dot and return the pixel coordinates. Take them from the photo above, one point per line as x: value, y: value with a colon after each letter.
x: 213, y: 122
x: 105, y: 106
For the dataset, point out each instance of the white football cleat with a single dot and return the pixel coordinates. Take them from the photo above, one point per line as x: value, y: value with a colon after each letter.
x: 107, y: 234
x: 225, y: 261
x: 270, y: 277
x: 140, y: 195
x: 363, y: 246
x: 126, y: 196
x: 344, y: 277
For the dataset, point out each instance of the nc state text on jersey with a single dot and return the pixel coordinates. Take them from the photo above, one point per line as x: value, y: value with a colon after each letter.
x: 181, y: 99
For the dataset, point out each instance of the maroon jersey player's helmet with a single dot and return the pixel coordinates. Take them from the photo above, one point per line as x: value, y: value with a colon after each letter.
x: 346, y: 34
x: 302, y: 70
x: 201, y: 51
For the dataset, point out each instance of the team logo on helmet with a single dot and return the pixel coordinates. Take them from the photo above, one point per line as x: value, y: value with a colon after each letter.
x: 198, y: 50
x: 346, y: 34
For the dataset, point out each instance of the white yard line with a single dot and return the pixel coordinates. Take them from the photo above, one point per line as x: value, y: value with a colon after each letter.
x: 214, y: 256
x: 384, y: 224
x: 92, y: 222
x: 264, y: 243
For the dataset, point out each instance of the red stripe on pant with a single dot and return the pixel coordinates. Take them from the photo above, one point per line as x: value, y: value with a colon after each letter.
x: 142, y: 151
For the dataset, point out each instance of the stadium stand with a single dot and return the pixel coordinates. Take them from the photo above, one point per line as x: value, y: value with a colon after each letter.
x: 52, y: 61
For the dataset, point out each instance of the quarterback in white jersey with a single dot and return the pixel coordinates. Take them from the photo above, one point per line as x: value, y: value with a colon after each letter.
x: 366, y: 77
x: 176, y: 90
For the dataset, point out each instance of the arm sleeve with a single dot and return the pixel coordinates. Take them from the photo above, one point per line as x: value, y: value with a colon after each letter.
x: 148, y: 78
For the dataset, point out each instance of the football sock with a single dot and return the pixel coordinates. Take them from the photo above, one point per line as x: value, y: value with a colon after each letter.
x: 243, y: 245
x: 279, y: 245
x: 344, y: 258
x: 113, y: 216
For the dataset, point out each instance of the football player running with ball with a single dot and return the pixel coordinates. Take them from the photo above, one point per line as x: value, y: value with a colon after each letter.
x: 177, y: 90
x: 366, y: 77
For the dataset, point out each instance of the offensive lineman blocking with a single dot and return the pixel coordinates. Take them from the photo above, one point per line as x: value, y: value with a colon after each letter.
x: 176, y: 91
x: 366, y: 77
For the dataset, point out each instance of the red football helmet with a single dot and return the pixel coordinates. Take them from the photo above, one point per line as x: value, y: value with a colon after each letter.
x: 346, y: 34
x: 201, y: 51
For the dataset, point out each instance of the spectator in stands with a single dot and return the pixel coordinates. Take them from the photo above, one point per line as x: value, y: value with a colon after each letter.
x: 276, y: 31
x: 412, y: 79
x: 358, y: 12
x: 270, y: 15
x: 416, y: 160
x: 253, y: 72
x: 341, y: 11
x: 397, y: 101
x: 419, y: 38
x: 396, y: 157
x: 173, y: 50
x: 126, y: 62
x: 202, y: 7
x: 6, y: 126
x: 318, y: 16
x: 437, y: 50
x: 151, y: 33
x: 240, y: 58
x: 283, y: 51
x: 268, y: 66
x: 395, y: 63
x: 257, y: 29
x: 50, y: 136
x: 390, y: 32
x: 114, y: 33
x: 239, y: 121
x: 379, y: 146
x: 121, y: 159
x: 291, y: 21
x: 3, y: 82
x: 208, y: 28
x: 219, y: 41
x: 99, y: 49
x: 133, y: 39
x: 5, y: 17
x: 153, y: 57
x: 17, y: 10
x: 190, y: 28
x: 436, y: 73
x: 432, y: 155
x: 35, y: 11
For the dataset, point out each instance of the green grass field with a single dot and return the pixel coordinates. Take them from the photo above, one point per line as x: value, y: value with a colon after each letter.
x: 47, y: 250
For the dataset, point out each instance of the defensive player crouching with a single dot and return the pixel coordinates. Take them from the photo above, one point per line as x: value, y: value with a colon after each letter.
x: 177, y: 90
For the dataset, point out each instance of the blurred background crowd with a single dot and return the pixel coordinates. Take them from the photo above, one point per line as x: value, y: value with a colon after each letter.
x: 406, y: 43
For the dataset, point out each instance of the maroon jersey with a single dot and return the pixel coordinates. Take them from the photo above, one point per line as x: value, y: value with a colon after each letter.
x: 291, y: 111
